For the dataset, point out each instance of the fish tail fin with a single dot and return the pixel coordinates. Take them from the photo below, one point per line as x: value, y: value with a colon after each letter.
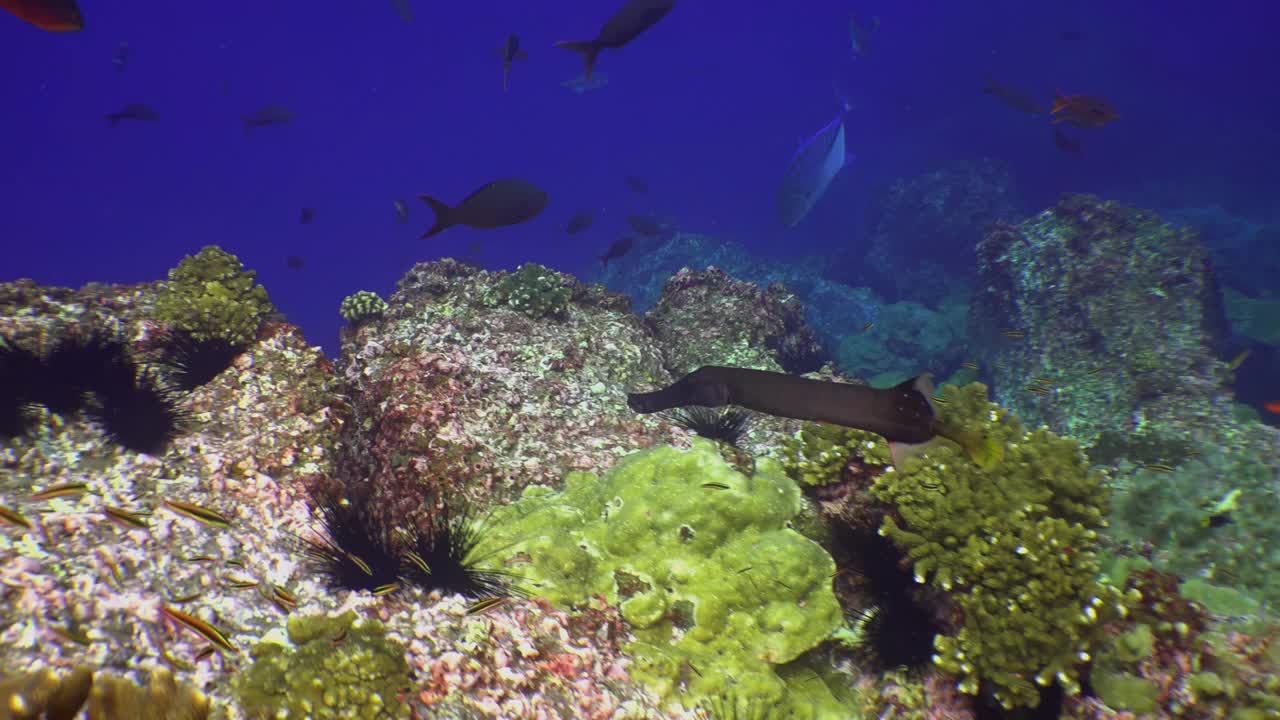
x: 442, y: 212
x: 587, y: 49
x: 1059, y: 101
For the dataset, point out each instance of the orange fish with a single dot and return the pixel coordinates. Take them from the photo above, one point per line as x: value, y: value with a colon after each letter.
x: 1273, y: 407
x: 51, y: 15
x: 1083, y: 111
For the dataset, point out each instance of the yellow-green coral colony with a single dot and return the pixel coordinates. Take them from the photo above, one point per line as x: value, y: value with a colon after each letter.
x: 210, y: 295
x: 1014, y: 547
x: 362, y: 306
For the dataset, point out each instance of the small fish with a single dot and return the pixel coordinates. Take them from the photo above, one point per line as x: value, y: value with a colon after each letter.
x: 133, y: 111
x: 497, y: 204
x: 269, y: 115
x: 486, y: 604
x: 126, y: 518
x: 1066, y: 143
x: 418, y: 562
x: 240, y: 584
x: 1096, y: 371
x: 386, y: 589
x: 510, y: 52
x: 1013, y: 334
x: 306, y: 215
x: 336, y: 640
x: 200, y: 558
x: 1038, y: 390
x: 187, y: 598
x: 236, y: 563
x: 940, y: 399
x: 364, y: 566
x: 1272, y: 407
x: 1238, y: 360
x: 51, y: 15
x: 295, y: 262
x: 969, y: 365
x: 579, y: 222
x: 283, y: 597
x: 646, y: 226
x: 402, y: 210
x: 198, y: 626
x: 582, y: 84
x: 14, y: 518
x: 1158, y: 467
x: 72, y: 631
x: 1013, y: 97
x: 121, y: 58
x: 60, y: 490
x: 108, y: 560
x: 620, y: 247
x: 198, y: 513
x: 1083, y: 111
x: 205, y: 653
x: 1219, y: 513
x: 860, y: 34
x: 1043, y: 380
x: 869, y: 327
x: 629, y: 21
x: 715, y: 485
x: 403, y: 9
x: 636, y: 184
x: 811, y: 169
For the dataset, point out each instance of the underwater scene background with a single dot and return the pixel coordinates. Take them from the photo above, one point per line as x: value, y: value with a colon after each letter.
x: 639, y: 359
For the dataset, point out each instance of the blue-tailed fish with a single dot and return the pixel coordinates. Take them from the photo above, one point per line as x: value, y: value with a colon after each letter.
x: 811, y: 170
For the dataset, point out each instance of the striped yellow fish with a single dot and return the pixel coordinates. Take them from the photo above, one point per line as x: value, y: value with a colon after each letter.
x: 199, y: 513
x: 198, y: 626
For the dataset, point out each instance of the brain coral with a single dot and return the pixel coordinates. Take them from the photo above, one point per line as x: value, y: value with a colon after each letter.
x: 717, y: 590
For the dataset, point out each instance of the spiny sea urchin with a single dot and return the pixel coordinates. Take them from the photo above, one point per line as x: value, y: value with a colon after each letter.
x: 445, y: 556
x: 136, y: 410
x: 727, y: 425
x: 191, y: 362
x: 19, y: 368
x: 897, y: 631
x: 78, y: 364
x: 356, y: 550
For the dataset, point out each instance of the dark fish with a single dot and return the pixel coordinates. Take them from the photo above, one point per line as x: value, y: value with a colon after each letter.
x: 1067, y: 144
x: 307, y: 215
x: 809, y: 173
x: 269, y: 115
x: 1013, y: 97
x: 121, y: 58
x: 403, y: 9
x: 578, y: 223
x: 402, y: 210
x: 629, y: 21
x: 510, y: 52
x: 902, y: 414
x: 582, y: 83
x: 860, y: 34
x: 1083, y: 111
x: 51, y: 15
x: 637, y: 185
x: 134, y: 111
x: 644, y: 225
x: 620, y: 247
x: 295, y: 262
x: 497, y: 204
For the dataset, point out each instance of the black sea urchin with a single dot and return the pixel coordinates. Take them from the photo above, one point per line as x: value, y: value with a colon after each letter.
x: 898, y: 631
x: 727, y: 425
x: 136, y: 410
x: 192, y: 362
x: 78, y: 364
x: 444, y: 556
x: 19, y: 369
x: 356, y: 551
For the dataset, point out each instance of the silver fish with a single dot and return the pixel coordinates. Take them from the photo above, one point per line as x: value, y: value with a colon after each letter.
x: 811, y: 170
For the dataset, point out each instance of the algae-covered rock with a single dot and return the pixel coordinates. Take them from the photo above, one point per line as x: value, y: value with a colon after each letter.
x: 333, y: 667
x: 715, y: 586
x: 1122, y: 691
x: 535, y: 290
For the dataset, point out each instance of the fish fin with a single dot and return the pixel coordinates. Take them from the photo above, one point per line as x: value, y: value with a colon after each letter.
x: 984, y: 450
x: 522, y: 55
x: 1059, y: 101
x: 899, y: 452
x: 587, y: 49
x: 442, y: 212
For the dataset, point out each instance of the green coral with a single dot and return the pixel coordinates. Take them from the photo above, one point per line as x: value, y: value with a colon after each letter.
x: 533, y: 289
x: 1015, y: 547
x: 362, y: 306
x: 818, y: 453
x: 717, y: 589
x: 331, y: 667
x: 213, y: 297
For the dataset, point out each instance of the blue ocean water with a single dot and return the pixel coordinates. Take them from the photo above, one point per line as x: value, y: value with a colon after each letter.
x: 706, y: 107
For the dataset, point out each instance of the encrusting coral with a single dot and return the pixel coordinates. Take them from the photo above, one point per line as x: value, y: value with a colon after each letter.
x: 716, y: 588
x: 45, y: 694
x: 211, y: 295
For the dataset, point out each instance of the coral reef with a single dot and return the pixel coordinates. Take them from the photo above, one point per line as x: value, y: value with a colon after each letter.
x: 362, y: 674
x: 698, y: 558
x: 906, y: 339
x: 211, y: 295
x: 102, y: 696
x: 534, y: 290
x: 362, y: 306
x: 735, y: 323
x: 1093, y: 316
